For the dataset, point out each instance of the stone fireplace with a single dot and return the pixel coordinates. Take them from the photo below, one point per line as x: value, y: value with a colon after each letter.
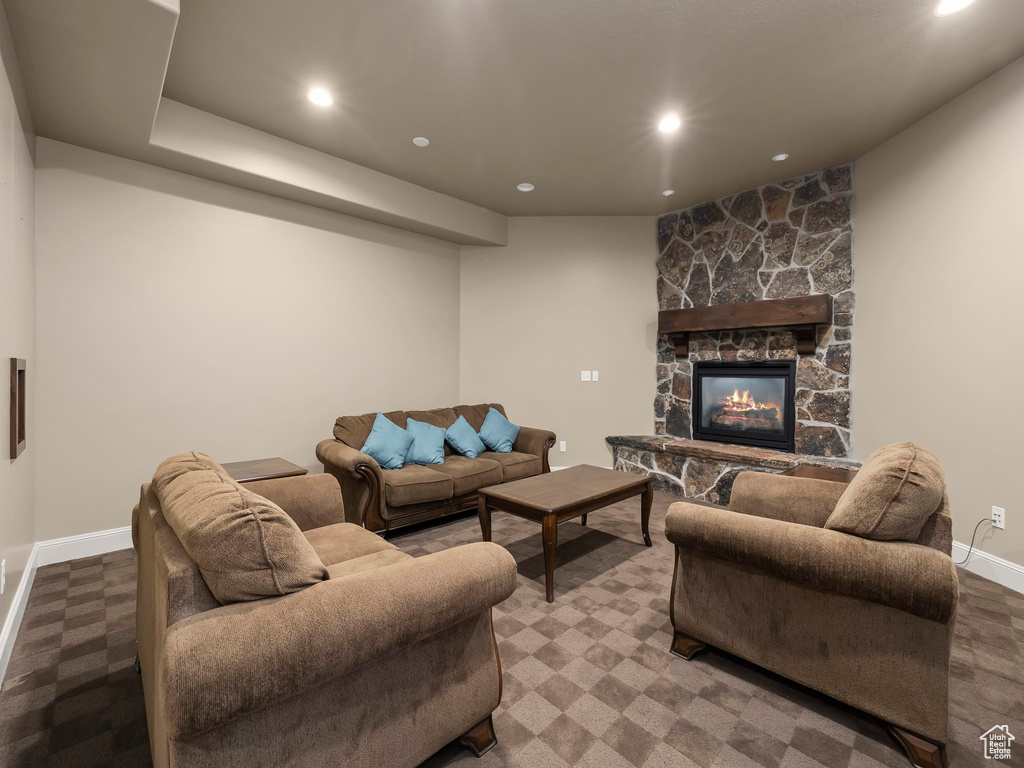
x: 791, y: 240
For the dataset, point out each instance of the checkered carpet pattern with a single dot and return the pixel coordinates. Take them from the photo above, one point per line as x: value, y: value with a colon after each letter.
x: 588, y: 679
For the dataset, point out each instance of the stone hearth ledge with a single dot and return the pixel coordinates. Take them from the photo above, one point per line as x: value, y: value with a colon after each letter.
x: 701, y: 469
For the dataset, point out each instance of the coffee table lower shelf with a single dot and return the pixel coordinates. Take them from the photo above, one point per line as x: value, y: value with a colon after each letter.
x: 555, y: 497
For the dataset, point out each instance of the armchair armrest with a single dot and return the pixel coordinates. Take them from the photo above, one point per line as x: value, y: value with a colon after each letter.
x: 792, y: 499
x: 360, y: 478
x: 535, y: 441
x: 901, y: 575
x: 312, y: 501
x: 243, y: 657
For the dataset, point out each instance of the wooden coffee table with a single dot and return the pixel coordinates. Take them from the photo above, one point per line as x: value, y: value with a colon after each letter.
x: 555, y: 497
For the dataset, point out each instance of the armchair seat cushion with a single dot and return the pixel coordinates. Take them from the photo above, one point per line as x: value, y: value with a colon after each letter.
x: 366, y: 563
x: 342, y: 542
x: 468, y: 475
x: 515, y: 464
x: 414, y: 484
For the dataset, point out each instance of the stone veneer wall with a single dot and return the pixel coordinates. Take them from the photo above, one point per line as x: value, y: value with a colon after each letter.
x: 782, y: 240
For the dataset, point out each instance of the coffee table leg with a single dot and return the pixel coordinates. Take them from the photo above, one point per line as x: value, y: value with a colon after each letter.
x: 645, y: 511
x: 550, y: 534
x: 485, y: 517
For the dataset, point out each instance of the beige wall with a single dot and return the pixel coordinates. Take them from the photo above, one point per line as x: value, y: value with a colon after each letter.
x: 17, y: 313
x: 176, y: 313
x: 566, y: 294
x: 939, y: 265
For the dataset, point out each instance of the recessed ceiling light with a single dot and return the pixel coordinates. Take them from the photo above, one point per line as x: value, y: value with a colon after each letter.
x: 668, y: 192
x: 420, y: 141
x: 669, y: 123
x: 525, y: 187
x: 320, y: 97
x: 947, y: 7
x: 780, y: 157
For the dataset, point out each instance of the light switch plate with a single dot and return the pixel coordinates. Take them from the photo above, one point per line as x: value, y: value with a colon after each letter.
x: 561, y: 446
x: 584, y: 375
x: 593, y: 375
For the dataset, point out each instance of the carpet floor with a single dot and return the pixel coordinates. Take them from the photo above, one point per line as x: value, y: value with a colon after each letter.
x: 588, y: 680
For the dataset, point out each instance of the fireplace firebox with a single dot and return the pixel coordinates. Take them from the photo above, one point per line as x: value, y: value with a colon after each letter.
x: 745, y: 403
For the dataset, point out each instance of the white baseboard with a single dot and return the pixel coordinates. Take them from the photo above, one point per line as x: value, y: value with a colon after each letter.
x: 10, y: 629
x: 48, y: 553
x: 83, y: 545
x: 991, y: 567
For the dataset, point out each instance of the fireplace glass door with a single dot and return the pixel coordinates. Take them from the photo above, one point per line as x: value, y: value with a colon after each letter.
x: 745, y: 403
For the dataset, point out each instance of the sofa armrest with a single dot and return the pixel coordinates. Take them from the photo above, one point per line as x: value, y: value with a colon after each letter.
x: 312, y: 501
x: 901, y: 575
x: 360, y: 478
x: 243, y: 657
x: 792, y: 499
x: 535, y: 441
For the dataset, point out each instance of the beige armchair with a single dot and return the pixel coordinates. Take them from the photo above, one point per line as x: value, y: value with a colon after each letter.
x: 867, y: 622
x: 381, y: 660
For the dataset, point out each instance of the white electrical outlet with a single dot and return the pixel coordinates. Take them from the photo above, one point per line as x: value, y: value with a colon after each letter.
x: 593, y: 375
x: 998, y: 517
x: 584, y: 375
x: 561, y: 446
x: 3, y: 576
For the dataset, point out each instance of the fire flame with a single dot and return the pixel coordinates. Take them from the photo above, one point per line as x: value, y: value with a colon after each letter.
x: 744, y: 402
x: 742, y: 407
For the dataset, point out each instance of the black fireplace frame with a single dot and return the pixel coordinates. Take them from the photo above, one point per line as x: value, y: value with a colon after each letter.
x: 774, y: 369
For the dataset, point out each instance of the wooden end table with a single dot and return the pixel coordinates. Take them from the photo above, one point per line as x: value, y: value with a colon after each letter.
x: 262, y: 469
x: 555, y: 497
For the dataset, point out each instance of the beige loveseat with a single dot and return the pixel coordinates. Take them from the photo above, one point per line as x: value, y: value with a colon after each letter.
x: 381, y: 659
x: 866, y: 621
x: 385, y: 499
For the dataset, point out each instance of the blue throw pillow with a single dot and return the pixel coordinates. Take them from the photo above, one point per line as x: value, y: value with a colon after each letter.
x: 388, y: 443
x: 464, y: 439
x: 427, y: 444
x: 497, y: 432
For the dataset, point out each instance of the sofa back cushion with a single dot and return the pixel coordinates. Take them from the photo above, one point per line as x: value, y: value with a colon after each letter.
x: 353, y: 430
x: 246, y: 547
x: 899, y: 487
x: 475, y: 414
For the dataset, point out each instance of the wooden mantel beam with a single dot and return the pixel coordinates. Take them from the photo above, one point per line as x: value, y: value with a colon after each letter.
x: 802, y: 314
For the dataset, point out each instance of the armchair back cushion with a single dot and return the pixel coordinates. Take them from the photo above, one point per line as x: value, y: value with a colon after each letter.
x: 246, y: 547
x: 894, y: 494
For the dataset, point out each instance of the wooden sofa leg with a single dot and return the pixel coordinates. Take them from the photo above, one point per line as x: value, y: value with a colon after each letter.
x: 921, y: 752
x: 685, y: 646
x: 480, y: 739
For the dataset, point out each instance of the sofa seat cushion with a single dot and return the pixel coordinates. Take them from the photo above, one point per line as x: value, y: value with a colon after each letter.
x: 246, y: 547
x: 367, y: 563
x: 894, y: 493
x: 468, y: 474
x: 341, y: 542
x: 414, y: 484
x: 515, y: 464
